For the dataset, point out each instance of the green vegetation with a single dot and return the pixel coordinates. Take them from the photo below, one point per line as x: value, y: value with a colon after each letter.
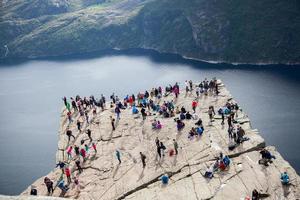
x: 245, y: 31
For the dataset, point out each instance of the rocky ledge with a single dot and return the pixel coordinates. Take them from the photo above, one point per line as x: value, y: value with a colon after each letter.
x: 104, y: 178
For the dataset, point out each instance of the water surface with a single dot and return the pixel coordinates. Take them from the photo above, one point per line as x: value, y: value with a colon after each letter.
x: 31, y: 92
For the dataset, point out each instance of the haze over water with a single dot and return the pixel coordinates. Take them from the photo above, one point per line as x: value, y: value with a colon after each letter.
x: 31, y: 100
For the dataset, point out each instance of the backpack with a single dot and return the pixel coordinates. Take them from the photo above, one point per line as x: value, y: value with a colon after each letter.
x: 33, y: 192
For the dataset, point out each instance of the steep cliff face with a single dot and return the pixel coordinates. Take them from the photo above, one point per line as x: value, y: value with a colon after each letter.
x: 104, y: 178
x: 230, y: 31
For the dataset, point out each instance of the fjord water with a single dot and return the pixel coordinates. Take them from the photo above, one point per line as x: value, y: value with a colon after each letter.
x: 31, y: 92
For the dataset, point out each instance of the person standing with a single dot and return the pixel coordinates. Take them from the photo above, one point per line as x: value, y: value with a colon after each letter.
x: 175, y: 146
x: 94, y: 147
x: 162, y: 148
x: 118, y: 155
x: 194, y: 105
x: 118, y: 112
x: 49, y: 185
x: 143, y: 158
x: 69, y: 152
x: 76, y: 149
x: 68, y: 174
x: 89, y: 133
x: 78, y: 125
x: 143, y: 111
x: 112, y: 123
x: 69, y: 134
x: 79, y: 168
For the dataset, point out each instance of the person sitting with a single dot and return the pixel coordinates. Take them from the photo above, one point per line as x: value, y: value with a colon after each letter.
x: 182, y: 116
x: 166, y: 114
x: 134, y: 110
x: 266, y: 157
x: 183, y: 110
x: 199, y: 131
x: 209, y: 173
x: 222, y: 165
x: 199, y: 122
x: 158, y: 125
x: 177, y: 111
x: 285, y: 179
x: 165, y: 179
x: 188, y: 115
x: 192, y: 133
x: 61, y: 185
x: 154, y: 124
x: 180, y: 125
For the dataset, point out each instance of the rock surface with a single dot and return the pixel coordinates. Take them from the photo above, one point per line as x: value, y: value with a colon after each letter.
x: 103, y: 178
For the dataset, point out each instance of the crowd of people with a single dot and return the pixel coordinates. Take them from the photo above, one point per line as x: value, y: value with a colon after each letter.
x: 148, y: 104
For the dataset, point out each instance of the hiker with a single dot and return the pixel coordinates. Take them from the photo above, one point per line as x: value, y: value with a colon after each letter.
x: 186, y: 87
x: 83, y: 154
x: 194, y: 105
x: 158, y: 147
x: 117, y: 111
x: 89, y: 132
x: 87, y: 148
x: 69, y: 114
x: 76, y: 149
x: 162, y: 148
x: 135, y: 110
x: 223, y: 118
x: 229, y: 121
x: 285, y: 179
x: 240, y: 134
x: 94, y: 147
x: 191, y: 84
x: 188, y: 115
x: 86, y: 117
x: 118, y: 156
x: 78, y: 125
x: 255, y: 195
x: 266, y: 157
x: 68, y: 174
x: 65, y: 101
x: 180, y: 125
x: 61, y: 165
x: 158, y: 125
x: 69, y: 134
x: 112, y: 123
x: 69, y: 152
x: 61, y: 185
x: 175, y: 146
x: 79, y: 168
x: 143, y: 158
x: 49, y: 185
x: 211, y: 113
x: 165, y: 179
x: 76, y: 182
x: 144, y: 114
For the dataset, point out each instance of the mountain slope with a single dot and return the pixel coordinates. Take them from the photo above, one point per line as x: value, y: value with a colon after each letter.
x: 232, y: 31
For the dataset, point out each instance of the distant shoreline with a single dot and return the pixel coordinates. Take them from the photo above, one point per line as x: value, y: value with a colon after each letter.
x: 133, y: 52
